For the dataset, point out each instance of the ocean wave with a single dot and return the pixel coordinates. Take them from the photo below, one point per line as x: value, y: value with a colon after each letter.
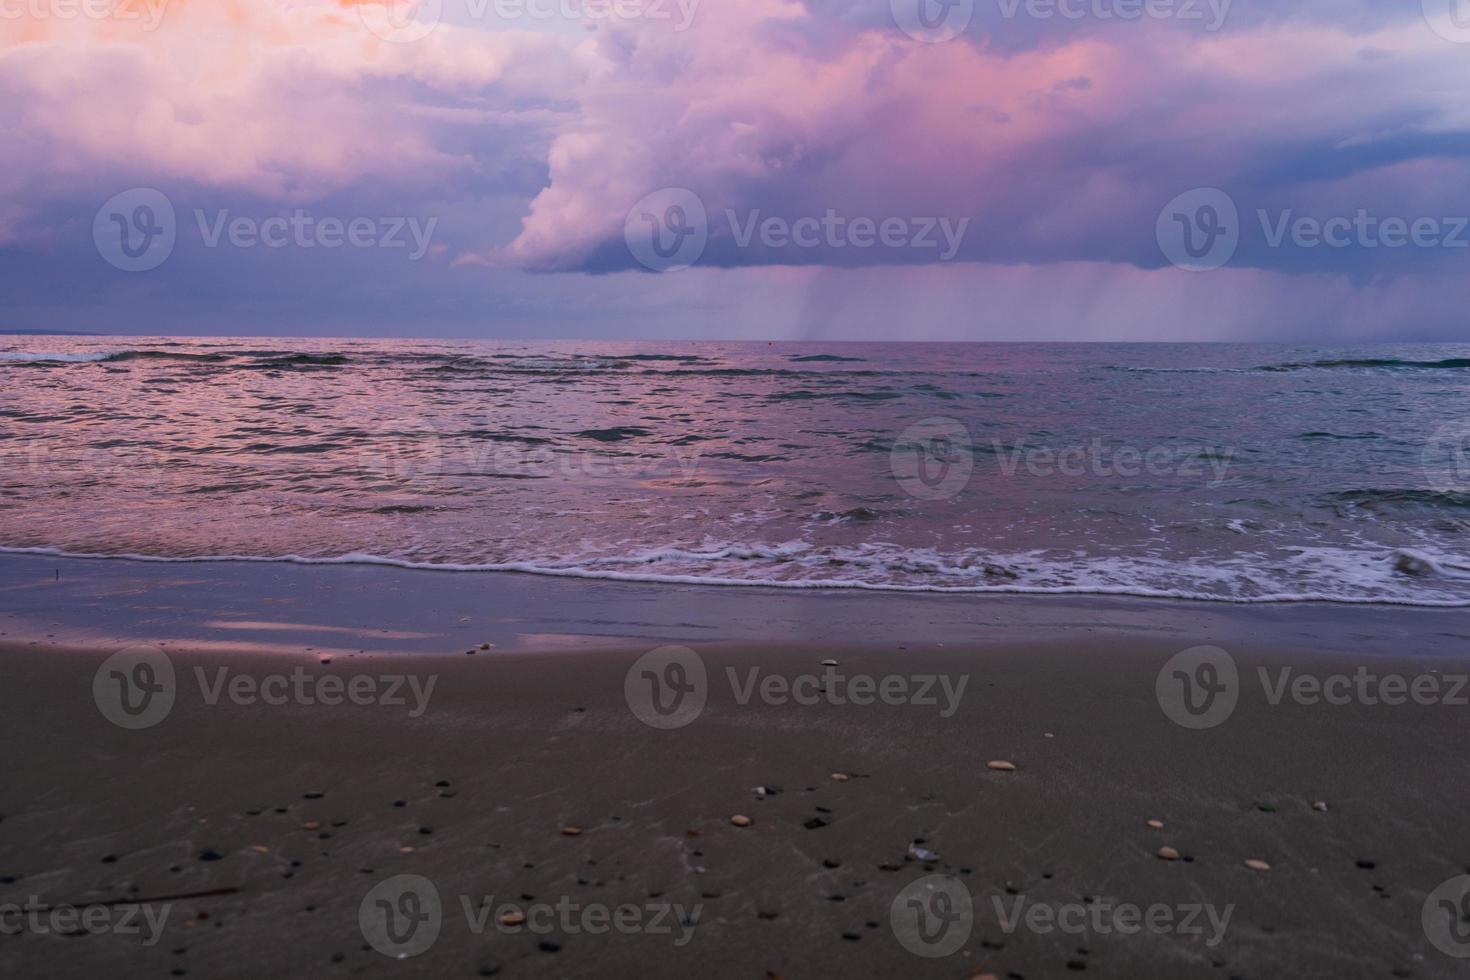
x: 42, y: 357
x: 596, y: 569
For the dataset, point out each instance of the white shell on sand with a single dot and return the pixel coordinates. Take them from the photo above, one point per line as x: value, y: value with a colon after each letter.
x: 1256, y: 864
x: 1168, y: 853
x: 1156, y: 825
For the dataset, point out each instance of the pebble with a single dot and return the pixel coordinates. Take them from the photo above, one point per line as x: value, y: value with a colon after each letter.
x: 571, y: 831
x: 486, y: 646
x: 1256, y: 864
x: 1320, y: 806
x: 829, y: 663
x: 407, y: 849
x: 1156, y: 825
x: 1000, y: 765
x: 840, y: 777
x: 513, y: 918
x: 312, y: 825
x: 741, y: 820
x: 1168, y: 853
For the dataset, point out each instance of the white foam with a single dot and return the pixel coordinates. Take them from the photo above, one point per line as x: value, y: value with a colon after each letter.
x: 1373, y: 577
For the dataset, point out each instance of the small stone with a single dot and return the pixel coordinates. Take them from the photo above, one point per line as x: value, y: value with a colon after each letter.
x: 840, y: 777
x: 570, y: 831
x: 1047, y: 735
x: 1256, y: 864
x: 514, y: 918
x: 260, y: 849
x: 210, y: 854
x: 741, y: 820
x: 1000, y: 765
x: 312, y: 825
x: 1320, y: 806
x: 486, y: 646
x: 407, y: 849
x: 1168, y: 853
x: 1156, y: 825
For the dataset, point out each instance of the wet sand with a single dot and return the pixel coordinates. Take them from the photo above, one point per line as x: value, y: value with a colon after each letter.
x: 529, y: 780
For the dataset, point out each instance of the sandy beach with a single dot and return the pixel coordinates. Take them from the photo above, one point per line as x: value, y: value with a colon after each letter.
x: 340, y: 737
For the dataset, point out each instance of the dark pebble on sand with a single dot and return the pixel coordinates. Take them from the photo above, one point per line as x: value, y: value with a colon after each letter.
x: 815, y: 823
x: 400, y: 803
x: 548, y: 946
x: 426, y: 830
x: 1367, y: 865
x: 313, y: 795
x: 831, y: 863
x: 852, y: 937
x: 210, y: 855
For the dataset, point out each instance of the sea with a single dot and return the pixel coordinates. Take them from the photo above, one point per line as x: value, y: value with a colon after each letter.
x: 1245, y: 473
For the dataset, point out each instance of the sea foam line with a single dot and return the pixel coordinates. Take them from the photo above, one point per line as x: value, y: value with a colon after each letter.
x: 1137, y: 592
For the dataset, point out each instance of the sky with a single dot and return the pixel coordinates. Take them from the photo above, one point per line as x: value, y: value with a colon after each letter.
x: 764, y: 169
